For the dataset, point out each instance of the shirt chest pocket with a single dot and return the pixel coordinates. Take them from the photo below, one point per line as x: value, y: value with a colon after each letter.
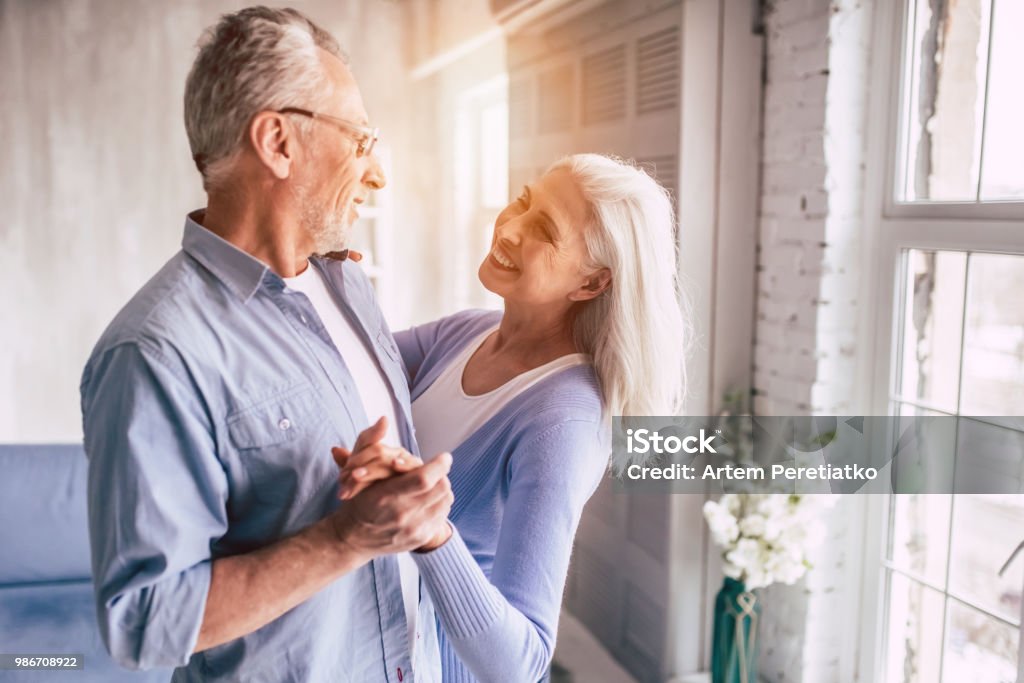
x: 283, y: 444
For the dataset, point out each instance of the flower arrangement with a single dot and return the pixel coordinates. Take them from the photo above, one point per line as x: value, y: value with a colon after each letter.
x: 766, y: 538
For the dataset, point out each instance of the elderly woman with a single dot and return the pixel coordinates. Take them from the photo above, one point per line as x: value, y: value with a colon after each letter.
x: 592, y: 327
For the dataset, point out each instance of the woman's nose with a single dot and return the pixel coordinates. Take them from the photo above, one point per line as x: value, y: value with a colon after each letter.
x: 510, y: 232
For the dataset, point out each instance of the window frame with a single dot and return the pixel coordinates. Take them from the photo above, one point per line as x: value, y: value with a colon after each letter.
x: 470, y: 211
x: 891, y: 227
x: 897, y: 52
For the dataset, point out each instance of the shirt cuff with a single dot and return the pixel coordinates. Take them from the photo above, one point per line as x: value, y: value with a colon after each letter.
x: 464, y: 599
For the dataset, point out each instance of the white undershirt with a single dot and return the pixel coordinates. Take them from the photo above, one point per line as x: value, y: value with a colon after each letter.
x: 376, y: 398
x: 445, y: 415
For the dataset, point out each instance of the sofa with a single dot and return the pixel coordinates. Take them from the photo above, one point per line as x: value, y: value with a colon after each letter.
x: 46, y: 596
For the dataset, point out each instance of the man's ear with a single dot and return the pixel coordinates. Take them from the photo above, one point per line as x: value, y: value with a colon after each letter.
x: 273, y: 140
x: 597, y: 284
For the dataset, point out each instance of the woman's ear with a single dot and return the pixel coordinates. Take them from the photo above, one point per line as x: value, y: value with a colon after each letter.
x: 597, y: 284
x: 273, y: 140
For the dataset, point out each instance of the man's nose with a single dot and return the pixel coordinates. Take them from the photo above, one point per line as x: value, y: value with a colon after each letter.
x: 374, y: 175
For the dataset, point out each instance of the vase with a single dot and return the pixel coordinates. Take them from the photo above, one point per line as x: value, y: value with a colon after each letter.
x: 734, y: 644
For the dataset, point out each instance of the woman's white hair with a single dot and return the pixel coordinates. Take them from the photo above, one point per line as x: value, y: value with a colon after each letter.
x: 636, y: 331
x: 254, y: 60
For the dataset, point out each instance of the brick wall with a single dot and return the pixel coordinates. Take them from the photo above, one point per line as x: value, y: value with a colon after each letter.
x: 812, y: 190
x: 811, y: 227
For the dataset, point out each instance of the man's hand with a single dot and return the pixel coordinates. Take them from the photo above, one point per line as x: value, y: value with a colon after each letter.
x: 372, y: 462
x: 405, y: 512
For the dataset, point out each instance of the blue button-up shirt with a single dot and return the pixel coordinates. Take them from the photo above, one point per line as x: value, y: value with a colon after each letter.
x: 210, y: 406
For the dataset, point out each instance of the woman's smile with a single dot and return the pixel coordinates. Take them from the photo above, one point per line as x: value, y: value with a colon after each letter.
x: 502, y: 260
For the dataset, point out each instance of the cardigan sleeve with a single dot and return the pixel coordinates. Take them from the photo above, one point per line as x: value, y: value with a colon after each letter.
x: 415, y: 343
x: 424, y: 346
x: 504, y: 629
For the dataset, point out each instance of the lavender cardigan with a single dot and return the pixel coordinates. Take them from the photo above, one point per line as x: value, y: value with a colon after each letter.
x: 520, y: 483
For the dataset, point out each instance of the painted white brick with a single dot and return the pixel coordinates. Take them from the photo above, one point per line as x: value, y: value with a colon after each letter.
x: 800, y: 312
x: 809, y: 257
x: 796, y: 64
x: 811, y: 89
x: 808, y: 117
x: 793, y: 176
x: 793, y: 145
x: 794, y: 10
x: 801, y: 229
x: 778, y: 405
x: 815, y: 202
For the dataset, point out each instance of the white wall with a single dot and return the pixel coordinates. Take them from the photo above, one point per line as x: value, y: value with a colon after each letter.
x: 97, y: 175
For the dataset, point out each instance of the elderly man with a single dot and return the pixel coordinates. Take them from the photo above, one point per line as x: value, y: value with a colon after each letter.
x: 213, y: 399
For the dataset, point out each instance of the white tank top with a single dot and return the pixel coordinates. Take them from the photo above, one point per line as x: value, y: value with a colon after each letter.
x: 445, y: 415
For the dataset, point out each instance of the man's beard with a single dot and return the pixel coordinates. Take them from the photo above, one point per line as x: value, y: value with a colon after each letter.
x: 328, y: 228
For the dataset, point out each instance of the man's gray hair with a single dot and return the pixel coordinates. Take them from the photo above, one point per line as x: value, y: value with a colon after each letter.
x: 256, y: 59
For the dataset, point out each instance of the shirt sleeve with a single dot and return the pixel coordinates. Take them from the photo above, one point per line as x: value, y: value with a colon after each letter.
x: 157, y: 497
x: 504, y: 629
x: 415, y: 343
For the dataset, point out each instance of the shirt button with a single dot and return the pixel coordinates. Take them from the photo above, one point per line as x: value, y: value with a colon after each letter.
x: 302, y: 318
x: 285, y: 424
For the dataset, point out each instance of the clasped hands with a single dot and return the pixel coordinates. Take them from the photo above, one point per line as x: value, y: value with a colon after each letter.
x: 413, y: 499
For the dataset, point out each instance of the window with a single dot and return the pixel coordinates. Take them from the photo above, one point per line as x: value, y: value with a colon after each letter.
x: 481, y: 184
x: 962, y: 334
x: 950, y: 616
x: 948, y: 257
x: 962, y: 102
x: 372, y: 236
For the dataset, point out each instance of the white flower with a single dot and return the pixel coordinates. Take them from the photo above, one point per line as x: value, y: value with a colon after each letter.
x: 757, y: 577
x: 772, y: 528
x: 731, y: 502
x: 773, y: 506
x: 753, y: 525
x: 792, y: 536
x: 786, y: 570
x: 766, y: 537
x: 724, y: 529
x: 732, y: 571
x: 746, y: 555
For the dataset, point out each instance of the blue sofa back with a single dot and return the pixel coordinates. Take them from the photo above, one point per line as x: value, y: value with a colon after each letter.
x: 44, y: 532
x: 46, y: 596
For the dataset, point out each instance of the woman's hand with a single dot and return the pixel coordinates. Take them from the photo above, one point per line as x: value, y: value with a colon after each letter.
x: 370, y: 461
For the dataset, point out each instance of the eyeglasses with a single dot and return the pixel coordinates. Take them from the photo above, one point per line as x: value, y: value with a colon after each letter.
x: 365, y: 136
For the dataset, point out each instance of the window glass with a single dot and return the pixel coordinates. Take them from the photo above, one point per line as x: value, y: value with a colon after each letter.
x: 962, y: 102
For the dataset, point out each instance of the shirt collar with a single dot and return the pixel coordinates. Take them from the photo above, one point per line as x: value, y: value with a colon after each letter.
x: 240, y: 272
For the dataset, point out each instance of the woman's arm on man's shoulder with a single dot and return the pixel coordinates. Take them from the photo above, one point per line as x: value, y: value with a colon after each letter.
x: 415, y: 343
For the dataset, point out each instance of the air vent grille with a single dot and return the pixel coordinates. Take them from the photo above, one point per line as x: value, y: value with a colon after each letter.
x: 657, y: 71
x: 604, y: 86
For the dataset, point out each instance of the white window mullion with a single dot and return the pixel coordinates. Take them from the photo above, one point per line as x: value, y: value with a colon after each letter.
x: 984, y: 108
x: 1020, y: 644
